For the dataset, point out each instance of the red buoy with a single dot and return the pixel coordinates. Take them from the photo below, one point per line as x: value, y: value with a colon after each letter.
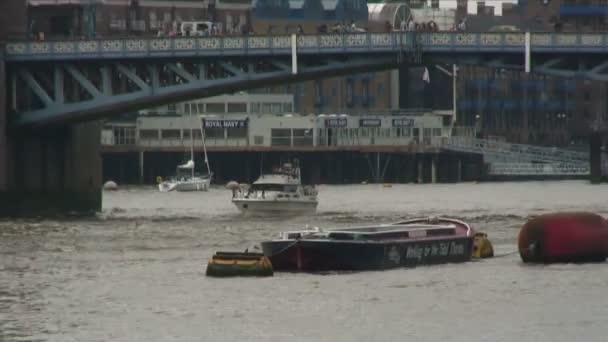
x: 564, y: 237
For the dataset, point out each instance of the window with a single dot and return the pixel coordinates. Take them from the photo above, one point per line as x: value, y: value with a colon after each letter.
x: 186, y: 108
x: 276, y: 108
x: 171, y: 134
x: 196, y: 134
x: 148, y: 134
x: 318, y: 93
x: 436, y: 132
x: 350, y: 92
x: 201, y: 108
x: 365, y: 98
x: 265, y: 108
x: 216, y: 108
x: 255, y: 107
x: 287, y: 108
x: 258, y: 140
x: 214, y: 133
x: 237, y: 108
x: 302, y: 137
x: 280, y: 137
x: 124, y: 135
x: 236, y: 133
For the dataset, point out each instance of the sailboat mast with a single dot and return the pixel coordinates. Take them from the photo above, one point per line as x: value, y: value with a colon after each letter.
x: 205, y: 150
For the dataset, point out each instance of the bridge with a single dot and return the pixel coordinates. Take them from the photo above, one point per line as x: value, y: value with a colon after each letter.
x: 71, y: 81
x: 63, y: 86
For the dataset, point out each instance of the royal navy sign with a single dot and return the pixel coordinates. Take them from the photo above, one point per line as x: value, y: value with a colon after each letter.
x: 335, y: 122
x: 370, y: 122
x: 207, y: 123
x: 403, y: 122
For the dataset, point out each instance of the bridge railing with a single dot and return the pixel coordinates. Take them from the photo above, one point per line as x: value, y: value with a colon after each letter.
x: 531, y: 169
x: 211, y: 45
x: 306, y: 44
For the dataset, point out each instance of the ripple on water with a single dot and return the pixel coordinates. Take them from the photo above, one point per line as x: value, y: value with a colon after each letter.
x: 135, y: 272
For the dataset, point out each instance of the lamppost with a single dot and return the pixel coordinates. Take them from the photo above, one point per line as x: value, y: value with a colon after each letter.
x: 453, y: 74
x: 91, y: 15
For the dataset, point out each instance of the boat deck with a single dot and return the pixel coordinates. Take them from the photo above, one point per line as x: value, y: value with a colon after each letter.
x: 393, y: 232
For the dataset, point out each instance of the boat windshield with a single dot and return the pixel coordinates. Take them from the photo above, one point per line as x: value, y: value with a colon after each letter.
x: 274, y: 187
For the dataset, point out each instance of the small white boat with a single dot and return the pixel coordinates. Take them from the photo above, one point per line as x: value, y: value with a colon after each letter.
x: 278, y: 193
x: 185, y: 178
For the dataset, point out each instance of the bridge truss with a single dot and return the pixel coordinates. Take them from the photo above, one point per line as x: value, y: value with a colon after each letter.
x: 67, y: 81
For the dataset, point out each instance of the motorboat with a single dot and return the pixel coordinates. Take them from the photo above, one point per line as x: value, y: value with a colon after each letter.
x: 280, y: 192
x: 413, y: 242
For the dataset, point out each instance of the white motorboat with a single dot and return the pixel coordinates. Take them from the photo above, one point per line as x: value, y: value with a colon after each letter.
x: 185, y: 178
x: 278, y: 193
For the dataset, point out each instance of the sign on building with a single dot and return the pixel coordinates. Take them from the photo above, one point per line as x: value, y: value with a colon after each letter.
x: 211, y: 123
x: 403, y: 122
x: 370, y: 122
x: 335, y: 122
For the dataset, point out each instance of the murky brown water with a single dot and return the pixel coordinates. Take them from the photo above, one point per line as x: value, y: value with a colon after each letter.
x: 136, y: 273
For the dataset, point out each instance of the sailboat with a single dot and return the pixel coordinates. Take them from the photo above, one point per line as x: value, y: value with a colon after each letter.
x: 185, y: 179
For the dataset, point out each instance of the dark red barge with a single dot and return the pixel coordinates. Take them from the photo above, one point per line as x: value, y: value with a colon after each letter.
x: 409, y: 243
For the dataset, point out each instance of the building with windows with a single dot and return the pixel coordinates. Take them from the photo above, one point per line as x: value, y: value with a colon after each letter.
x: 103, y: 18
x: 534, y: 108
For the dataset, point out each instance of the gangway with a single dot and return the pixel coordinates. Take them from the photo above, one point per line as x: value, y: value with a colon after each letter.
x: 507, y: 159
x: 537, y: 169
x: 515, y: 152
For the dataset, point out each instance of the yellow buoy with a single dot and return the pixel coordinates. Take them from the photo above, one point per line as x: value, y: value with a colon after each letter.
x: 231, y: 264
x: 482, y: 247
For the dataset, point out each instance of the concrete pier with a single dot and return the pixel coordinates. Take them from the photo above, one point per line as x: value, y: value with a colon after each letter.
x: 48, y: 170
x: 141, y: 167
x: 596, y: 141
x: 420, y: 169
x: 433, y: 169
x: 52, y: 171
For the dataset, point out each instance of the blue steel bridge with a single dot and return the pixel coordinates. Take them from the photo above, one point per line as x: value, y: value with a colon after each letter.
x: 71, y: 81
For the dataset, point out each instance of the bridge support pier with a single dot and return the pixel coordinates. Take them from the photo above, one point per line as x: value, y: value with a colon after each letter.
x: 420, y: 162
x: 141, y: 167
x: 53, y: 171
x: 3, y: 140
x: 433, y: 169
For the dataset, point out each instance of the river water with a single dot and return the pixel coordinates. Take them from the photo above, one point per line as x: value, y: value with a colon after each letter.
x: 136, y: 272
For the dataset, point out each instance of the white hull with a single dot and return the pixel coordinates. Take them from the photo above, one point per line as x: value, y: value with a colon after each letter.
x: 202, y: 185
x: 262, y: 206
x: 183, y: 186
